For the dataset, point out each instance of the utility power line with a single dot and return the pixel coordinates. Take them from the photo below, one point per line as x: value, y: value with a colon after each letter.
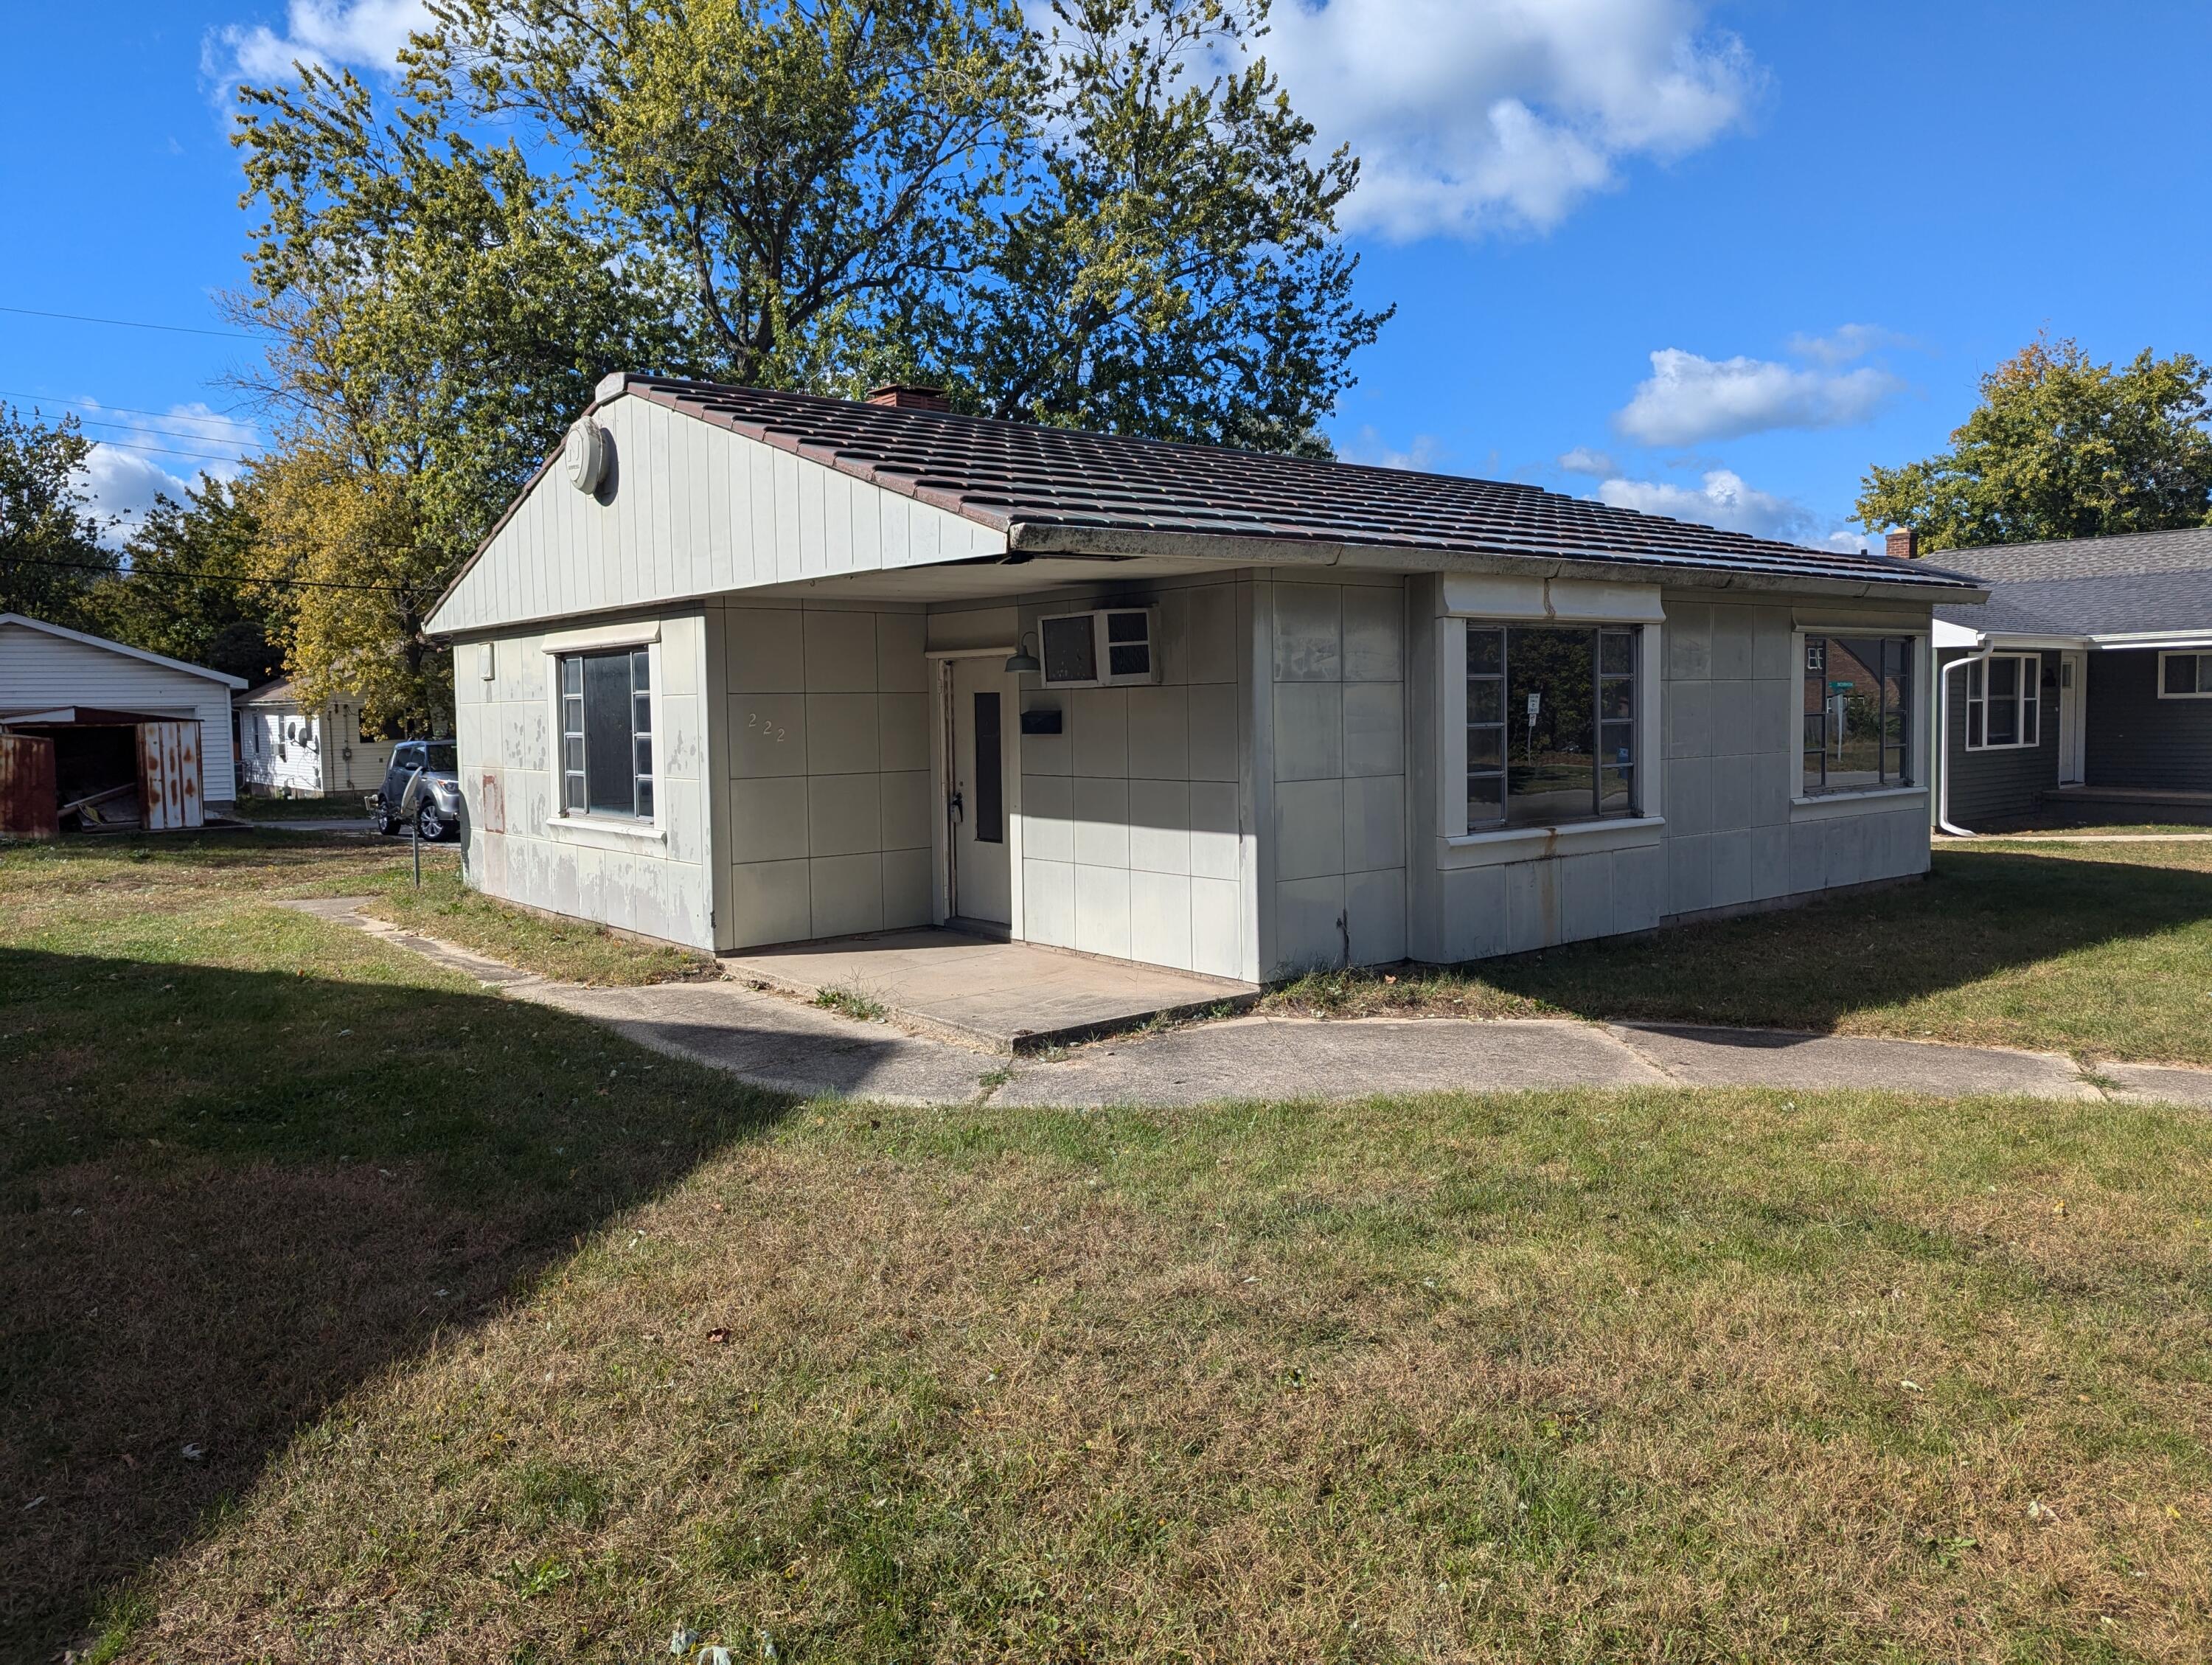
x: 124, y: 409
x: 134, y: 324
x: 202, y: 577
x: 171, y: 451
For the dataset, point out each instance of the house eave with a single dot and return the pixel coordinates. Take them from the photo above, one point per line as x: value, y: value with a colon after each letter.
x: 1228, y: 550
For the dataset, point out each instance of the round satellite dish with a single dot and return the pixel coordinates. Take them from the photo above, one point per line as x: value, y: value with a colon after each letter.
x: 586, y: 455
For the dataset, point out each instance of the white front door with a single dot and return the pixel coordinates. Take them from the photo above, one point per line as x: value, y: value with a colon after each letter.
x: 2072, y: 706
x: 975, y: 797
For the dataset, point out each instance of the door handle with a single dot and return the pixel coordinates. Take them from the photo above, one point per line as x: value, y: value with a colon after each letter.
x: 959, y: 809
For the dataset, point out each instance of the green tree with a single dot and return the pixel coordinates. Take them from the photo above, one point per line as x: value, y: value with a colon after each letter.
x: 51, y: 555
x: 441, y: 313
x: 1176, y: 269
x: 1114, y: 226
x: 195, y: 587
x: 2060, y: 447
x: 815, y: 169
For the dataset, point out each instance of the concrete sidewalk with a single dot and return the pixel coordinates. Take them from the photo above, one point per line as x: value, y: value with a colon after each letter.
x: 776, y: 1043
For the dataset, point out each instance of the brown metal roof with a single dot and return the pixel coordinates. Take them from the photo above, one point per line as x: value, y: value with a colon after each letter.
x: 1015, y: 476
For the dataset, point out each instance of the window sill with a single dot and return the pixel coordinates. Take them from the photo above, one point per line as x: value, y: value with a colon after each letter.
x: 2003, y: 746
x: 604, y: 832
x: 1491, y: 849
x: 1831, y: 804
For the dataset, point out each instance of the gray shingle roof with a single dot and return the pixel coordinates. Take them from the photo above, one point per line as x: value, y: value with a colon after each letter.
x: 2121, y: 586
x: 1015, y: 477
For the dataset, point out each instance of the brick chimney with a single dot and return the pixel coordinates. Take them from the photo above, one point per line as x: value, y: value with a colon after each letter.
x: 1904, y: 545
x: 903, y: 398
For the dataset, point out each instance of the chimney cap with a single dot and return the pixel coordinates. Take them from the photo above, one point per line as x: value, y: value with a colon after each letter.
x: 903, y: 396
x: 1903, y: 544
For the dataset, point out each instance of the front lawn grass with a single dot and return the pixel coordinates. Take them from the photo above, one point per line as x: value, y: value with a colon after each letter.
x: 2100, y: 952
x: 355, y: 1314
x: 571, y: 950
x: 346, y: 805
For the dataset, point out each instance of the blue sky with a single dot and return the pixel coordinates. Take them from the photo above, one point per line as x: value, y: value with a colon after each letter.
x: 1711, y: 259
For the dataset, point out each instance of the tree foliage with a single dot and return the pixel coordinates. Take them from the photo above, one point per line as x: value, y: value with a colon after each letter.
x: 196, y: 588
x: 2060, y: 447
x: 1175, y: 271
x: 813, y: 168
x: 51, y: 554
x: 1115, y: 224
x: 442, y: 312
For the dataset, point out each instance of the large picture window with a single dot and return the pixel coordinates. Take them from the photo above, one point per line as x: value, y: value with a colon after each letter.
x: 1858, y: 713
x: 1551, y: 724
x: 606, y: 734
x: 2004, y: 702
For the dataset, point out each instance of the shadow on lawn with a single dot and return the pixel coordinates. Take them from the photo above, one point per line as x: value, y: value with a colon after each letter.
x: 231, y: 1197
x: 1979, y: 914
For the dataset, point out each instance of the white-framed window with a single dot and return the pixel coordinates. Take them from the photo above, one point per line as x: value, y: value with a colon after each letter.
x: 2004, y: 702
x: 1552, y: 732
x: 606, y: 733
x: 1856, y: 708
x: 2187, y: 675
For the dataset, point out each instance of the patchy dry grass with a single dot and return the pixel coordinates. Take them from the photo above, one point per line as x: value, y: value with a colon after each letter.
x: 1569, y: 1377
x: 548, y: 1361
x: 850, y: 1003
x: 248, y: 1161
x: 2104, y: 952
x: 572, y: 950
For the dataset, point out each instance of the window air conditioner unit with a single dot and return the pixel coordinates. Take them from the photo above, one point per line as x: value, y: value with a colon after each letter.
x: 1107, y: 647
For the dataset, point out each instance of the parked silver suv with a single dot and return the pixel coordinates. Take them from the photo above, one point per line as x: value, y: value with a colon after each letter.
x: 438, y: 812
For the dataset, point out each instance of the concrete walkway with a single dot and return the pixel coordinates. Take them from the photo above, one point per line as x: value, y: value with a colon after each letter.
x: 775, y: 1042
x: 1008, y: 996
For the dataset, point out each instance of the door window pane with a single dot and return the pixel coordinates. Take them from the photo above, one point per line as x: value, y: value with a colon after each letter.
x: 990, y: 783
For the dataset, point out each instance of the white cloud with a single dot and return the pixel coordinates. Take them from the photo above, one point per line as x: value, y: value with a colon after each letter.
x: 362, y: 34
x: 1424, y: 456
x: 1473, y: 115
x: 1722, y: 499
x: 137, y: 458
x: 1845, y: 342
x: 1584, y: 460
x: 1689, y: 400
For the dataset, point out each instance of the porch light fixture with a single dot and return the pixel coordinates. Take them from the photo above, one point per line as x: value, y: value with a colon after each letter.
x: 1022, y: 660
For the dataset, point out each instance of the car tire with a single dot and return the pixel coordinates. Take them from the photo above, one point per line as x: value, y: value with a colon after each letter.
x: 382, y: 821
x: 430, y: 824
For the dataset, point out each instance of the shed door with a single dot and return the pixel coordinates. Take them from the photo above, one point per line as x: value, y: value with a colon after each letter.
x: 169, y: 775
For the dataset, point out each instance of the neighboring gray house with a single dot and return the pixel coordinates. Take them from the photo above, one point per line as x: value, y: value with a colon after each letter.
x: 743, y: 667
x: 2086, y: 680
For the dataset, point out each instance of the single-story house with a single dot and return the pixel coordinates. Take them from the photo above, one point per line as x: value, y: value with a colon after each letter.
x: 107, y: 731
x: 743, y: 668
x: 287, y: 749
x: 2085, y: 682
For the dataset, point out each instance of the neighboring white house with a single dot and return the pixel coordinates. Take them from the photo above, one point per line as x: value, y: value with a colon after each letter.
x: 287, y: 749
x: 749, y: 667
x: 44, y: 666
